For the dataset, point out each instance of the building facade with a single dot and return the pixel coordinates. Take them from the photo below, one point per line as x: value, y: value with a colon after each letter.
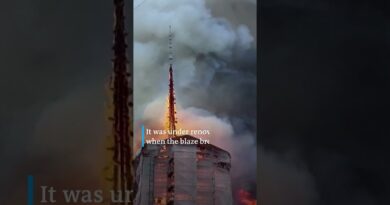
x: 183, y: 175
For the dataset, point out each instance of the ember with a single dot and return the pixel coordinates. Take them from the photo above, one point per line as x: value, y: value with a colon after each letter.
x: 246, y: 198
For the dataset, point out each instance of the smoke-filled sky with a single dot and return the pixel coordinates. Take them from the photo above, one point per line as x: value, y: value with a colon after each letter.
x: 214, y: 51
x: 55, y: 60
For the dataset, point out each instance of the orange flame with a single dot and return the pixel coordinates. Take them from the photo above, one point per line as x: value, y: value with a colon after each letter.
x: 245, y: 198
x: 166, y: 117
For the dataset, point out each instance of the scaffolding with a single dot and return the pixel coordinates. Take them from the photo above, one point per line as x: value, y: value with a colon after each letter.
x: 183, y: 175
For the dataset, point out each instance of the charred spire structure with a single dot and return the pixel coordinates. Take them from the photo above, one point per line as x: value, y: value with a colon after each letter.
x: 122, y: 103
x: 171, y: 95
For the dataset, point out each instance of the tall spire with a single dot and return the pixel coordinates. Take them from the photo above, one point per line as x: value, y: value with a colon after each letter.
x: 171, y: 96
x: 122, y: 173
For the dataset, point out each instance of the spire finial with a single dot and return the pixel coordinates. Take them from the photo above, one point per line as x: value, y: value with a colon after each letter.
x: 170, y: 45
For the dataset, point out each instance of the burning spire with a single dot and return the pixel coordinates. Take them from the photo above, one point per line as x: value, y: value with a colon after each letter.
x: 121, y: 173
x: 171, y: 95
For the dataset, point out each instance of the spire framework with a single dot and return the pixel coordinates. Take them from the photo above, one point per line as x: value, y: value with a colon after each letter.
x: 122, y: 99
x: 171, y: 92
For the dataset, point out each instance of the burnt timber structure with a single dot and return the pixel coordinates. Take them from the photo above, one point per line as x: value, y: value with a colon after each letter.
x: 121, y: 170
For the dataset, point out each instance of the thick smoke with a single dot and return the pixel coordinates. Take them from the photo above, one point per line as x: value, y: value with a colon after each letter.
x: 214, y: 73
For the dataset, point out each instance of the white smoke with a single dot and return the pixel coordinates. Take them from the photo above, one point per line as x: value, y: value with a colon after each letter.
x: 242, y: 148
x: 196, y: 32
x: 203, y: 45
